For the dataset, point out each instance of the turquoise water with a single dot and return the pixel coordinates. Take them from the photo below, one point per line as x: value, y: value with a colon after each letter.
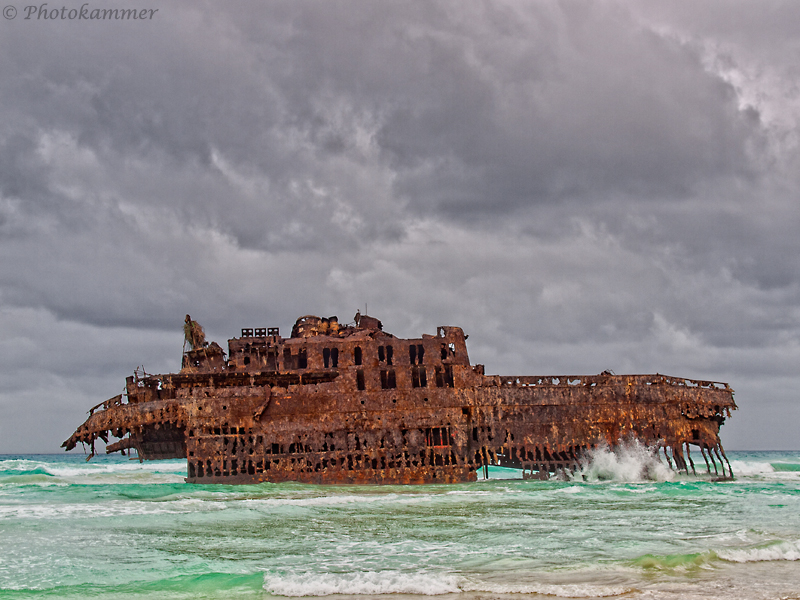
x: 114, y: 528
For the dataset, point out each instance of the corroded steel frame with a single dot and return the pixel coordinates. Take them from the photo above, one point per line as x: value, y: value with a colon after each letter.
x: 353, y: 404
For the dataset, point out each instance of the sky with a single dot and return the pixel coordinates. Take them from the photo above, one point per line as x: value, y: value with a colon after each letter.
x: 580, y: 185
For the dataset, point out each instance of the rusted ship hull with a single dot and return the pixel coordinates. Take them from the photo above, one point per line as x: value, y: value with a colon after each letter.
x: 357, y: 405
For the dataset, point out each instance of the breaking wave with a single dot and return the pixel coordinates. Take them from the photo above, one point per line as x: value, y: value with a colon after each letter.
x: 64, y: 470
x: 629, y: 462
x: 675, y: 562
x: 369, y: 582
x: 784, y: 550
x: 751, y: 469
x: 426, y: 584
x: 775, y: 551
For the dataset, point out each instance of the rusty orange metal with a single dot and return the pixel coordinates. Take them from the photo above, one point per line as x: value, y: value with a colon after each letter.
x: 337, y: 403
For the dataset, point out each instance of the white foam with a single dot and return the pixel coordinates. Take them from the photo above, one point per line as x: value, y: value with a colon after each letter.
x: 749, y: 468
x: 115, y: 508
x: 421, y: 583
x: 469, y: 493
x: 629, y: 462
x: 132, y: 467
x: 340, y: 500
x: 69, y: 469
x: 20, y: 464
x: 564, y: 590
x: 781, y: 551
x: 92, y: 473
x: 319, y: 500
x: 573, y: 489
x: 367, y: 582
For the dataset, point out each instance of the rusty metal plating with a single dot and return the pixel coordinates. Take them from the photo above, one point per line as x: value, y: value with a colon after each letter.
x: 351, y: 403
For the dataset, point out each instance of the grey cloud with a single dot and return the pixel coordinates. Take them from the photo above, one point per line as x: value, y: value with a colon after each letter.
x: 580, y: 186
x: 621, y: 110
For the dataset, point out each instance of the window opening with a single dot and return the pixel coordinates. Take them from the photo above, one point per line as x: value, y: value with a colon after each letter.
x: 437, y: 437
x: 448, y: 375
x: 288, y: 363
x: 418, y: 377
x: 360, y: 380
x: 388, y: 379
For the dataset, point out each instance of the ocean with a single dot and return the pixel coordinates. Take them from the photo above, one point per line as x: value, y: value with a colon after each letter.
x: 625, y: 526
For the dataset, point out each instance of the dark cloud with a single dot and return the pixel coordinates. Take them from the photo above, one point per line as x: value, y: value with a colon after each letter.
x: 580, y: 185
x: 608, y: 108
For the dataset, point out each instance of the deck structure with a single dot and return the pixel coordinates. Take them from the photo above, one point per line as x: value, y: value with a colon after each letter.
x: 352, y: 403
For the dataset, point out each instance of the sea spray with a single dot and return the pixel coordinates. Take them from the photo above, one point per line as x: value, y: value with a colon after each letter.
x: 630, y: 461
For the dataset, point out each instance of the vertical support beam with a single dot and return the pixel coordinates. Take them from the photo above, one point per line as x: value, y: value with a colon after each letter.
x: 666, y: 455
x: 691, y: 462
x: 722, y: 464
x: 705, y: 458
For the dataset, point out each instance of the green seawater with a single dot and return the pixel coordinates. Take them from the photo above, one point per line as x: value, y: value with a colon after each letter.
x: 626, y: 526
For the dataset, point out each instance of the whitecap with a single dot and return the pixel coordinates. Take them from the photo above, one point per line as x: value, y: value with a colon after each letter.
x: 786, y: 550
x: 126, y: 468
x: 750, y: 468
x: 573, y: 489
x: 368, y: 582
x: 421, y: 583
x: 110, y: 509
x: 319, y: 500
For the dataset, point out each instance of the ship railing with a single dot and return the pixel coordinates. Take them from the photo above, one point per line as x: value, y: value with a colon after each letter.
x: 595, y: 380
x: 139, y: 375
x: 115, y: 401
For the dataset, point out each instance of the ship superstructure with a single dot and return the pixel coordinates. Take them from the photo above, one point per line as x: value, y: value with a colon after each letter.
x: 352, y: 403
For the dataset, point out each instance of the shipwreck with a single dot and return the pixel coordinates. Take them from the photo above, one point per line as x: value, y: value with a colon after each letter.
x: 351, y: 403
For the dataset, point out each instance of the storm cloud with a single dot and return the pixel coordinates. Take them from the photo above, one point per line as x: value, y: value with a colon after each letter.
x: 579, y: 185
